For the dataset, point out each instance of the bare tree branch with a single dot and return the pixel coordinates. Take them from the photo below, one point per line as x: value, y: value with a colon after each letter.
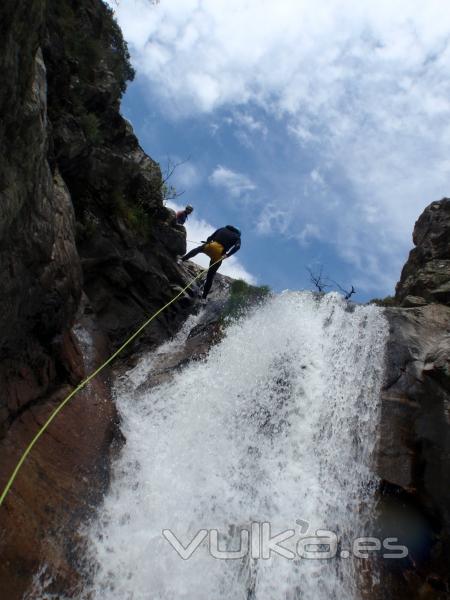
x: 168, y: 191
x: 348, y: 293
x: 318, y: 279
x: 172, y: 167
x: 322, y: 282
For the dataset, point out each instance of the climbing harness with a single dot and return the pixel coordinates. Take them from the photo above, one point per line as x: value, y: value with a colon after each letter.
x: 214, y: 250
x: 81, y: 385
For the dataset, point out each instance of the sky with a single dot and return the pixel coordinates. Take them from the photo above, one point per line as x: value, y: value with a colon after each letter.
x: 320, y: 128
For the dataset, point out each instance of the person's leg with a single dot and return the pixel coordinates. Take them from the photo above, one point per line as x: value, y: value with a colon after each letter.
x: 210, y: 277
x: 192, y: 253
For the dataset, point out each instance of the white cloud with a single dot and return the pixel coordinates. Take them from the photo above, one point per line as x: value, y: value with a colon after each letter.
x: 308, y: 233
x: 317, y: 178
x: 236, y: 184
x: 248, y: 130
x: 272, y: 221
x: 362, y: 85
x: 198, y: 230
x: 205, y: 55
x: 186, y: 175
x: 249, y: 122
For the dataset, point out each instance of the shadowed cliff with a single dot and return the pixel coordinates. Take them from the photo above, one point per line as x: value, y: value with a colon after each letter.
x: 87, y: 252
x: 414, y: 440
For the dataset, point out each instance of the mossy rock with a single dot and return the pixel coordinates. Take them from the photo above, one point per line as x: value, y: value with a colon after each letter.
x: 243, y: 297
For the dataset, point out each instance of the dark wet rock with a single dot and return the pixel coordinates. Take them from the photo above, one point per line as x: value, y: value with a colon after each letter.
x: 426, y: 274
x: 414, y: 450
x: 206, y: 332
x: 85, y: 241
x: 414, y: 440
x: 67, y: 472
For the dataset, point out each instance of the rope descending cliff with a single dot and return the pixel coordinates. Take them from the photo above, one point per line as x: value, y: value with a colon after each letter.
x: 85, y: 381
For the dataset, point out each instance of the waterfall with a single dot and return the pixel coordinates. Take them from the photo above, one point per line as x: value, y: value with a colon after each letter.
x: 274, y: 429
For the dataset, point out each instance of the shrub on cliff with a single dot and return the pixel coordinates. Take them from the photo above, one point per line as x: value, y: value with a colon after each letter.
x: 91, y: 127
x: 133, y: 214
x: 88, y: 47
x: 242, y: 297
x: 385, y: 302
x: 119, y: 55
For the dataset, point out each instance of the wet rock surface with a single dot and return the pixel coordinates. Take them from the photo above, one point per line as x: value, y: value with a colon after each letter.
x: 203, y: 335
x: 414, y: 442
x: 414, y: 451
x: 86, y: 244
x: 64, y: 476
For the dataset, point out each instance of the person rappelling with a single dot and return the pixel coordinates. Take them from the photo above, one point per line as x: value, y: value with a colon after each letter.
x: 222, y: 244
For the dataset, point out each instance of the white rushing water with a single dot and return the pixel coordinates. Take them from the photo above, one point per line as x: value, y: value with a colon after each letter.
x: 277, y: 426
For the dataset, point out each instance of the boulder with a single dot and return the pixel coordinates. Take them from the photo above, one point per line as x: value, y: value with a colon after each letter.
x: 426, y: 273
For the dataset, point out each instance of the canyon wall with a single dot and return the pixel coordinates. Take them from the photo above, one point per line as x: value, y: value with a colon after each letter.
x: 87, y: 252
x: 414, y: 445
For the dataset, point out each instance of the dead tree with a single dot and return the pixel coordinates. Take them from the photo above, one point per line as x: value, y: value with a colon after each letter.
x: 347, y: 293
x: 169, y: 191
x: 350, y: 293
x: 318, y: 279
x: 322, y: 282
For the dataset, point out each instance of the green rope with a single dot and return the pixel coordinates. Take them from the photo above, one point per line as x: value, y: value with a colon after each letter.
x: 81, y: 385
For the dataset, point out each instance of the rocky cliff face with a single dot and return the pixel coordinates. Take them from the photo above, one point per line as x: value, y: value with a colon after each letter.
x: 414, y: 446
x: 426, y: 275
x: 87, y: 251
x: 125, y: 239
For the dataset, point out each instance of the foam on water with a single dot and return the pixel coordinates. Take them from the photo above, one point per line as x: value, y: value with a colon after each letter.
x: 277, y: 425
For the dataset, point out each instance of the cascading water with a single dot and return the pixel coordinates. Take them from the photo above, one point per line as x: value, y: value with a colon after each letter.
x: 276, y: 426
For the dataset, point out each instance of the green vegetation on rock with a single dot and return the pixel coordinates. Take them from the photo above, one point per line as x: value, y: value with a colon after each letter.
x: 134, y: 215
x: 87, y: 52
x: 91, y: 127
x: 385, y: 302
x: 243, y: 296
